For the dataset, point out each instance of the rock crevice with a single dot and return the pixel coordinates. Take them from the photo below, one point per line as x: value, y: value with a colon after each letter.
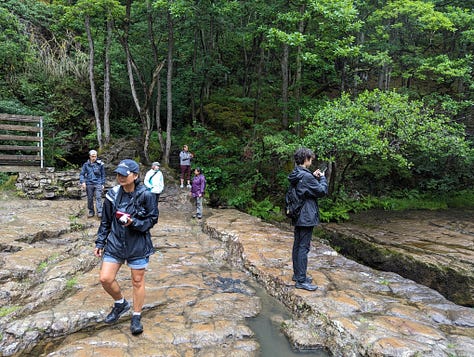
x: 198, y: 294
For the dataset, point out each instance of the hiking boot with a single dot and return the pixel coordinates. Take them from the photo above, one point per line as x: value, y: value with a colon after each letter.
x: 91, y: 214
x: 306, y: 286
x: 188, y: 186
x: 182, y: 186
x: 117, y: 311
x: 136, y: 326
x: 308, y: 279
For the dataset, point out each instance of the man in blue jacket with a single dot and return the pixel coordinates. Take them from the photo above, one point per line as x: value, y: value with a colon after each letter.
x: 92, y: 179
x: 309, y: 186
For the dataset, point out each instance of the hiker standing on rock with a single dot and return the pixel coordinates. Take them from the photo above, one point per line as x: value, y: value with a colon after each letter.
x: 185, y: 165
x: 309, y: 187
x: 124, y: 236
x: 197, y: 191
x: 92, y: 179
x: 154, y: 180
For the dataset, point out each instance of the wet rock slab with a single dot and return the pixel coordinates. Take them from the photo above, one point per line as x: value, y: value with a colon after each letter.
x: 197, y: 293
x: 434, y: 248
x: 195, y: 304
x: 357, y: 311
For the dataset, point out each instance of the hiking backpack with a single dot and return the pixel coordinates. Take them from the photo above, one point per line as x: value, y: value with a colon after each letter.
x: 293, y: 203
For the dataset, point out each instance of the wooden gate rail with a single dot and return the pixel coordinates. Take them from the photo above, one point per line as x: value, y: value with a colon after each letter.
x: 21, y: 143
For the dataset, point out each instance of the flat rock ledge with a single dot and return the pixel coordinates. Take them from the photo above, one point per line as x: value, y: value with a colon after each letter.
x: 52, y: 304
x: 357, y: 311
x: 198, y: 296
x: 433, y: 248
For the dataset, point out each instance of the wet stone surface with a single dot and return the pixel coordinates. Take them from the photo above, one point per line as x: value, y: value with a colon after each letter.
x: 195, y: 304
x: 434, y: 248
x: 198, y: 296
x: 357, y: 311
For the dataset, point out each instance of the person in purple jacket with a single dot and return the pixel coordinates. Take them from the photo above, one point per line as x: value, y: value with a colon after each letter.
x: 198, y: 187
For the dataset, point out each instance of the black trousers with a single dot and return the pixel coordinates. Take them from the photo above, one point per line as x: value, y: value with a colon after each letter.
x: 301, y: 246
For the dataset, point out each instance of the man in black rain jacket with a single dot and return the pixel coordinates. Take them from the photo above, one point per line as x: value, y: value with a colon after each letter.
x: 309, y: 186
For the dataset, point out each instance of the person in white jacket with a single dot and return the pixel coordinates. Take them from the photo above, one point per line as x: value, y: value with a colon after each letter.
x: 154, y: 180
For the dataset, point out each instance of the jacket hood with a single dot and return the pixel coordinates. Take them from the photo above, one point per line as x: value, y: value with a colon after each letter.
x: 296, y: 175
x: 111, y: 194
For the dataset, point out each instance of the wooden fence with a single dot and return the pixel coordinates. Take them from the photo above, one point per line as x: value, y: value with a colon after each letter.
x: 21, y: 143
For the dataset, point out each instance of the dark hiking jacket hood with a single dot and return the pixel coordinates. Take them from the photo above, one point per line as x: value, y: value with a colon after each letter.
x: 133, y: 241
x: 309, y: 188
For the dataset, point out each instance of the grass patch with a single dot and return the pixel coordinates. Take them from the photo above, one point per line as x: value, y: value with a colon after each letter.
x: 461, y: 199
x: 75, y: 224
x: 7, y: 310
x: 403, y: 204
x: 42, y: 267
x: 7, y: 182
x: 44, y: 264
x: 340, y: 210
x: 71, y: 283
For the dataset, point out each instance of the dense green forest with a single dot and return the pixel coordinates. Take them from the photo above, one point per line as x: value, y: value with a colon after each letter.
x: 381, y: 90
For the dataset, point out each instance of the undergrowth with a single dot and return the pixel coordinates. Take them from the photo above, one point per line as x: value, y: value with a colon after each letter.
x: 340, y: 210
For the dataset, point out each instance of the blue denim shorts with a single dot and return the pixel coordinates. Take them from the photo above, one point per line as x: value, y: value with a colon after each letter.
x: 140, y: 263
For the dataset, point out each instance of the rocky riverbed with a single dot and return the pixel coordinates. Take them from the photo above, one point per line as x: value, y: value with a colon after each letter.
x: 198, y: 296
x: 433, y: 248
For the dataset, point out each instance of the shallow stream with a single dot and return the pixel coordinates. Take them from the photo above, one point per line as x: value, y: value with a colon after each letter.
x: 266, y: 326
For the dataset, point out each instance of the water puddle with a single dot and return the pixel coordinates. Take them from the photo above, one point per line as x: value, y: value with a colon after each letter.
x: 266, y: 326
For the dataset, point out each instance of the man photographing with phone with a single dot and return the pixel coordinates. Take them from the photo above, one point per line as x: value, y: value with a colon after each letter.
x: 309, y: 187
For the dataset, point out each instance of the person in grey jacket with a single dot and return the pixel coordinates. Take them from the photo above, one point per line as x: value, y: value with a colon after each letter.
x: 309, y: 186
x: 124, y: 235
x: 185, y: 158
x: 92, y: 179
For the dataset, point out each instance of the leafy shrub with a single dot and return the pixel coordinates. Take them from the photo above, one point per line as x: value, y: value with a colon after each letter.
x: 13, y: 106
x: 7, y: 182
x: 460, y: 199
x: 265, y: 210
x: 128, y: 127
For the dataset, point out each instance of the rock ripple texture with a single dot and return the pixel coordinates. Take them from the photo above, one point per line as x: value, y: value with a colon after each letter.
x: 357, y: 311
x: 197, y: 293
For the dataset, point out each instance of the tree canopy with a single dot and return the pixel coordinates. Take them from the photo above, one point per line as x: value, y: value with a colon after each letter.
x: 382, y: 90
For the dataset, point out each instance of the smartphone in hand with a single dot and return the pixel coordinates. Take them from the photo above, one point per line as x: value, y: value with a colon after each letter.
x: 323, y: 169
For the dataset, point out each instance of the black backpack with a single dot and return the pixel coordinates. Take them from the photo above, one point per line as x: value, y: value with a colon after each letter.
x: 293, y: 203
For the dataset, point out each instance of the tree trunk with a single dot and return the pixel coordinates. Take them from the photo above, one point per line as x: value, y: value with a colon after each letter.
x: 343, y: 76
x: 132, y: 69
x: 299, y: 72
x: 169, y: 89
x: 159, y: 129
x: 151, y: 34
x: 108, y: 42
x: 384, y: 78
x: 193, y: 88
x: 298, y: 91
x: 92, y: 81
x: 284, y: 85
x: 258, y: 91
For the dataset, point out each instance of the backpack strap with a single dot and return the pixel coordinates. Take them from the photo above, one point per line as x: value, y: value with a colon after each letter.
x: 114, y: 195
x: 151, y: 178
